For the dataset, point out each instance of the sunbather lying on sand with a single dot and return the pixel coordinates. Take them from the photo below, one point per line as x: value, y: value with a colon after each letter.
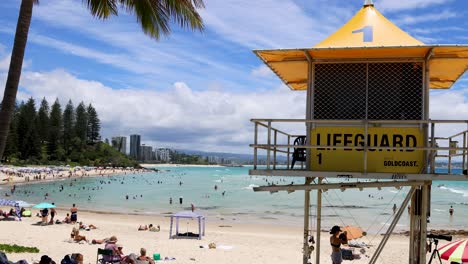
x: 99, y: 241
x: 154, y: 229
x: 87, y: 227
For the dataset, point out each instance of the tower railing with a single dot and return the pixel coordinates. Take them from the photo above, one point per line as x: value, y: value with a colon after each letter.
x: 277, y: 145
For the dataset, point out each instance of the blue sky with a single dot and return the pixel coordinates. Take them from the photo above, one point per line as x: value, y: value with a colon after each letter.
x: 198, y: 90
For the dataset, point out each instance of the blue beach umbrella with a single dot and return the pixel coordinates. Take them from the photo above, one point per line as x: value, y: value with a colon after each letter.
x: 23, y: 204
x: 44, y: 205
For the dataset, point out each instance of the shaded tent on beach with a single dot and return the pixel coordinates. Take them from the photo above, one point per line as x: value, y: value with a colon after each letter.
x: 187, y: 215
x: 5, y: 202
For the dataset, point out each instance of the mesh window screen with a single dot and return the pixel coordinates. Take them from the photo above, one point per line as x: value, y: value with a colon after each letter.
x: 340, y: 91
x: 394, y: 91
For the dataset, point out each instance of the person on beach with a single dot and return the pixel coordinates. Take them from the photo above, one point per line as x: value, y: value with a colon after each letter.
x: 67, y: 219
x: 143, y: 259
x: 74, y: 214
x: 154, y: 229
x: 87, y: 227
x: 75, y: 235
x: 117, y: 253
x: 394, y: 208
x: 181, y: 199
x: 52, y: 215
x: 192, y: 206
x: 44, y: 215
x: 170, y: 200
x: 142, y: 228
x: 451, y: 211
x: 336, y: 239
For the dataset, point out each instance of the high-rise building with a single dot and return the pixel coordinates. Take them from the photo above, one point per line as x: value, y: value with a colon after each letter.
x: 164, y: 154
x: 120, y: 144
x: 135, y: 151
x: 146, y: 153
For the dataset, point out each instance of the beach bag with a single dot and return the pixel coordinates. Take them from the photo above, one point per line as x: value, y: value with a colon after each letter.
x: 27, y: 213
x: 347, y: 254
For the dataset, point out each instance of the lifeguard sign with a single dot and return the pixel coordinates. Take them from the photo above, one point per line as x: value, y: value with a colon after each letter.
x: 368, y: 94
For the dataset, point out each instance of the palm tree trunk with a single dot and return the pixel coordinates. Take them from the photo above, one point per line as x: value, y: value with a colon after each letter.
x: 14, y: 72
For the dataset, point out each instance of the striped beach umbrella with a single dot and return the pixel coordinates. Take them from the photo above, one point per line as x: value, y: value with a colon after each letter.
x: 456, y: 251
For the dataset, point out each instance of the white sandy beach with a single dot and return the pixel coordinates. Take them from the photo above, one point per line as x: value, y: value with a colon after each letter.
x: 10, y: 179
x: 250, y: 243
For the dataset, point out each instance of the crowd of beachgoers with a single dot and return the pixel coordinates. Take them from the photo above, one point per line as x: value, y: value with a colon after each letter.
x: 49, y: 217
x: 12, y: 174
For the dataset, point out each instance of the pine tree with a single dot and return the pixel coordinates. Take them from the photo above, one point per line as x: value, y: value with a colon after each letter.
x: 81, y: 125
x: 94, y: 125
x: 54, y: 146
x: 28, y: 138
x: 43, y: 121
x: 68, y: 126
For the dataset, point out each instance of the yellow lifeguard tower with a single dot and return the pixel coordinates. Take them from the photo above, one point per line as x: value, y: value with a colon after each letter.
x: 367, y: 119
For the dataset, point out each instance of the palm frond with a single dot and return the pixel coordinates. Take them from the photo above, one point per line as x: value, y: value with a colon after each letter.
x: 155, y: 15
x: 185, y: 14
x: 102, y: 9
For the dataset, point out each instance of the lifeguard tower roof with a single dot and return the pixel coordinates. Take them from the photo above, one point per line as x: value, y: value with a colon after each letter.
x: 366, y: 36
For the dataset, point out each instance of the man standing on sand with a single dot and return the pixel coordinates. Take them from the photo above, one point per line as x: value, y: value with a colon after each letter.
x: 74, y: 214
x: 52, y: 214
x: 451, y: 211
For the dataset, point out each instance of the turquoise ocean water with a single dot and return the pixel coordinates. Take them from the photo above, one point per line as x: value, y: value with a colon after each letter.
x: 371, y: 208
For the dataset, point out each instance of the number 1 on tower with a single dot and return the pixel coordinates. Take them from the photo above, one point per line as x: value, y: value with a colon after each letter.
x: 368, y: 33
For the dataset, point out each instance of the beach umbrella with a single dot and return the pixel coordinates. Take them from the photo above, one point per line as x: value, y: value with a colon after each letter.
x: 353, y: 232
x: 456, y: 251
x: 23, y: 204
x: 44, y: 205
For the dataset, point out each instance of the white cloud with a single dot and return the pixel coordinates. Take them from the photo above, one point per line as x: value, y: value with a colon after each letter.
x: 5, y: 63
x: 429, y: 17
x: 2, y: 49
x: 431, y: 29
x: 266, y: 23
x: 180, y: 116
x: 450, y: 104
x: 398, y: 5
x: 119, y: 42
x: 427, y: 40
x: 262, y: 71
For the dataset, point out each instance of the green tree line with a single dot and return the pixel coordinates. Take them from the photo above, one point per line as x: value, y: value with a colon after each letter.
x: 182, y: 158
x: 50, y: 135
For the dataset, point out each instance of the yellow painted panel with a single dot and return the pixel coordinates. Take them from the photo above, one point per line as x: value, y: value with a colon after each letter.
x: 368, y: 28
x: 349, y: 160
